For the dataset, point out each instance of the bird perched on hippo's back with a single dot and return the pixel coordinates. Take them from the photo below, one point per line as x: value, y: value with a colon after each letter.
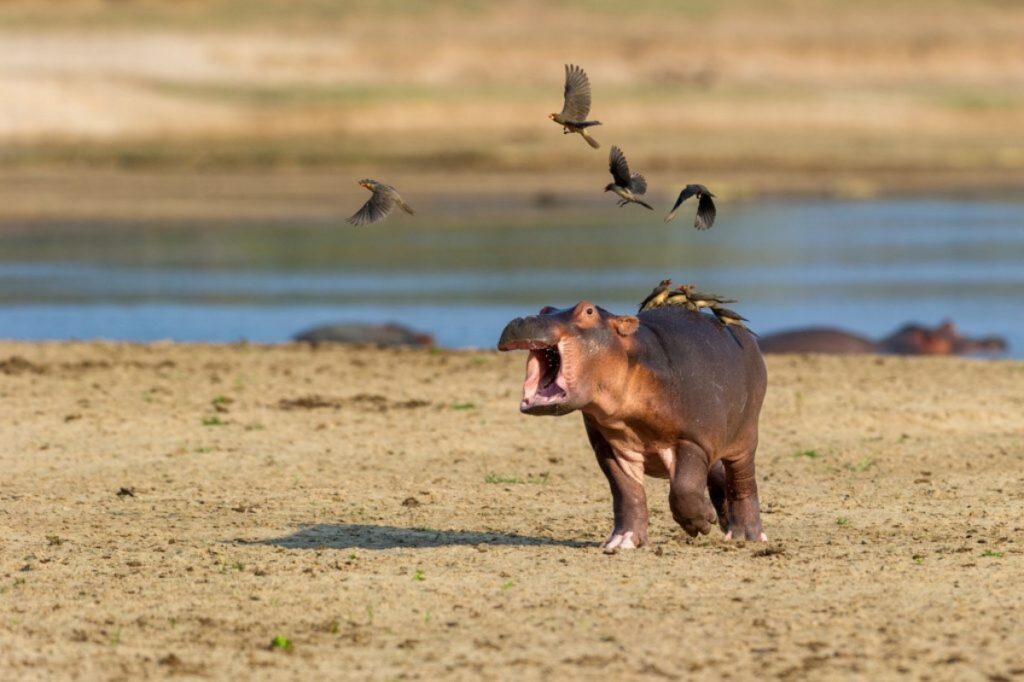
x: 379, y: 205
x: 705, y: 206
x: 576, y: 106
x: 699, y: 299
x: 629, y: 187
x: 729, y: 317
x: 657, y: 297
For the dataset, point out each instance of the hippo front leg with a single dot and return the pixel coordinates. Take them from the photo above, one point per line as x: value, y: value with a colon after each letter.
x: 629, y: 500
x: 687, y: 497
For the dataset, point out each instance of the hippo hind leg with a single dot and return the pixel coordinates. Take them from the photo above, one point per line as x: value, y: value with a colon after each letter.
x: 743, y: 508
x: 717, y: 491
x: 687, y: 498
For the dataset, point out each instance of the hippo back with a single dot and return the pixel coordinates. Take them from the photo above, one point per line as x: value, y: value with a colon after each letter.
x: 816, y: 340
x: 715, y: 371
x: 356, y: 333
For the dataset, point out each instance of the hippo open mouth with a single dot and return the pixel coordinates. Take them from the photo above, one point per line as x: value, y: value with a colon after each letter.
x: 544, y: 389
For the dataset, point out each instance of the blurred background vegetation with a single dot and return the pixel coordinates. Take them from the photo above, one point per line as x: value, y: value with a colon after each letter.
x: 181, y: 168
x: 821, y: 97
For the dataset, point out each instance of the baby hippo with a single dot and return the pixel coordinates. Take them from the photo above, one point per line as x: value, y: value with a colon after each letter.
x: 671, y: 393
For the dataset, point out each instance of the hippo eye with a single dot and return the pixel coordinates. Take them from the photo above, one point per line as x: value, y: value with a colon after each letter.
x: 590, y: 311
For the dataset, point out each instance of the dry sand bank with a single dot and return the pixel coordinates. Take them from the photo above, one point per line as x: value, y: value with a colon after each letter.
x: 860, y: 98
x: 393, y: 516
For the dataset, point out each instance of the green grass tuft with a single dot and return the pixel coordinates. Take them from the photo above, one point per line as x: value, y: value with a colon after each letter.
x: 281, y: 642
x: 498, y: 478
x: 863, y: 464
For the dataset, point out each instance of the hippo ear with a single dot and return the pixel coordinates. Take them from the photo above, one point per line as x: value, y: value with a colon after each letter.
x: 625, y: 325
x: 548, y: 309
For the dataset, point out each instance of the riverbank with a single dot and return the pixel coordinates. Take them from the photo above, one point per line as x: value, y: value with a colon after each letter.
x: 67, y: 199
x: 748, y: 98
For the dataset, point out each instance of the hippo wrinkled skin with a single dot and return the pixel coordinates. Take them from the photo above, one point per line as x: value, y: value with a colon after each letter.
x: 670, y: 393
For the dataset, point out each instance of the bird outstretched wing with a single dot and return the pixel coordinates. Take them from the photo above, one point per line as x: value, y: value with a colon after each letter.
x: 637, y: 184
x: 577, y: 94
x: 687, y: 192
x: 619, y: 167
x: 705, y: 212
x: 376, y: 208
x: 705, y: 208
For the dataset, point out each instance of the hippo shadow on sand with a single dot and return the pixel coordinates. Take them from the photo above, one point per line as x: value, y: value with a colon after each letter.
x: 364, y: 536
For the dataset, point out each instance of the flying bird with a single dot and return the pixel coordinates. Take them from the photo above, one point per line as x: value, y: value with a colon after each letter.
x: 628, y: 187
x: 379, y: 205
x: 705, y: 206
x: 573, y: 117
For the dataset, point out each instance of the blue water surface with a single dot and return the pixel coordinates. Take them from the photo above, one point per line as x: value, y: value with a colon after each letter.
x: 867, y: 266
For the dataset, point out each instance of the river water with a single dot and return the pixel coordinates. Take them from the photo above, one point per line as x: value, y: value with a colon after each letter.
x: 868, y: 266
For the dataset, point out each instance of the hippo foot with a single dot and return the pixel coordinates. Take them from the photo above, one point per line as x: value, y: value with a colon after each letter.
x: 696, y: 516
x: 741, y: 536
x: 745, y: 521
x: 623, y: 540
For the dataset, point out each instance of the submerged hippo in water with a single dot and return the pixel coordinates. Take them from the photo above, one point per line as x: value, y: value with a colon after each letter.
x: 379, y: 334
x: 671, y: 393
x: 911, y: 339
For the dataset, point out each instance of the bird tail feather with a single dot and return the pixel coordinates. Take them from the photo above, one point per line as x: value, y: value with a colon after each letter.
x: 407, y: 208
x: 645, y: 204
x: 591, y: 141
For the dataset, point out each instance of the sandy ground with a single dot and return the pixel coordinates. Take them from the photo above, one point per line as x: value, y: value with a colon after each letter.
x: 169, y: 510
